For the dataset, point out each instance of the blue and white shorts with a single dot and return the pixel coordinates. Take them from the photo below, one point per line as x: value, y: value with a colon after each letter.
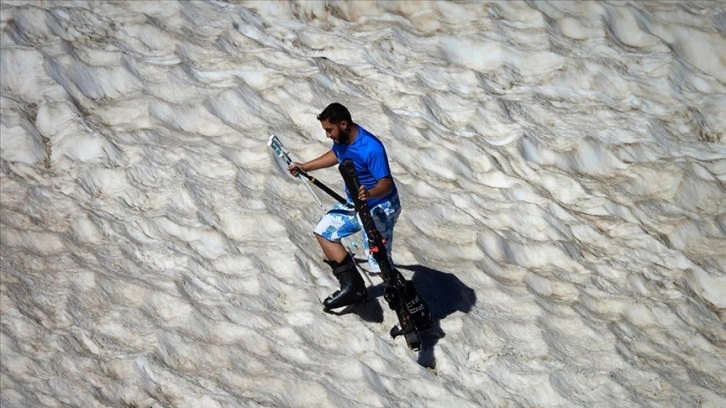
x: 340, y: 222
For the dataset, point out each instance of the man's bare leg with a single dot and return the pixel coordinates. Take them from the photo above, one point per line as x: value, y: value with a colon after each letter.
x: 333, y: 251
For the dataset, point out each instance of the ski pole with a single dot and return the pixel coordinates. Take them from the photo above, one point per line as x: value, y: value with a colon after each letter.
x: 321, y: 186
x: 276, y: 145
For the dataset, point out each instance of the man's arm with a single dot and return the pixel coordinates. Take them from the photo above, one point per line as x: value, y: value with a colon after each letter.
x: 327, y: 159
x: 382, y: 188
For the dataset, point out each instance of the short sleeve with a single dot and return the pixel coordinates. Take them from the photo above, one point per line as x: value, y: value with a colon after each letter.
x: 378, y: 162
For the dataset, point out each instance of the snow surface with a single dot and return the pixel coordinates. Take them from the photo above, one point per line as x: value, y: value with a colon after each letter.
x: 562, y: 167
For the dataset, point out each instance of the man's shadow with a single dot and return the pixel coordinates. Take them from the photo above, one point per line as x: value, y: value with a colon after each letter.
x: 443, y: 292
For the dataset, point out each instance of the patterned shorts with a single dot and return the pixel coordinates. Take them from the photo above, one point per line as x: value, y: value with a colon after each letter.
x: 341, y: 222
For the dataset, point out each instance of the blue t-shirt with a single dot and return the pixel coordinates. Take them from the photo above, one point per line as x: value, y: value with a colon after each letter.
x: 370, y: 161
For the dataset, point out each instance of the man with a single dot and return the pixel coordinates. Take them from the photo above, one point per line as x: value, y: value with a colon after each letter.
x: 352, y: 141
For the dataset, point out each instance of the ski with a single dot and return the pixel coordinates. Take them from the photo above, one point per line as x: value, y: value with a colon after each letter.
x: 402, y: 297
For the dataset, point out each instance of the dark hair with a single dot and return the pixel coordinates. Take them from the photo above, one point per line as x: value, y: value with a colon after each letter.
x: 335, y: 113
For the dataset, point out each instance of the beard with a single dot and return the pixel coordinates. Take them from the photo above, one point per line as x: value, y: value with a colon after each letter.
x: 343, y: 136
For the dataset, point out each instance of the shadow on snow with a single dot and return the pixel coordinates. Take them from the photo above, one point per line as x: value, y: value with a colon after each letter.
x: 442, y: 291
x: 445, y: 294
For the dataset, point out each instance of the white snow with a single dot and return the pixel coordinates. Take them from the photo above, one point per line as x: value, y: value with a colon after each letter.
x: 562, y: 167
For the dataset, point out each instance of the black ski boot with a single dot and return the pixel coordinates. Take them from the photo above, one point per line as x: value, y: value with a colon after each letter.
x: 352, y: 287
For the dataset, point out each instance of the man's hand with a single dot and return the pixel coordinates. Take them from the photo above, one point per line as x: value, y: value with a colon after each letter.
x: 363, y: 194
x: 293, y: 167
x: 384, y: 186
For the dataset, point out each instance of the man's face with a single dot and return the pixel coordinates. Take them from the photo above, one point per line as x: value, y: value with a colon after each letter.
x: 338, y: 133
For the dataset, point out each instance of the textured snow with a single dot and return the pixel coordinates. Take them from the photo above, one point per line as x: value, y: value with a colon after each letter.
x: 562, y: 167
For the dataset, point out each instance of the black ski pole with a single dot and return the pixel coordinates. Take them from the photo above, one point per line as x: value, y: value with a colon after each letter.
x: 276, y: 146
x: 322, y: 186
